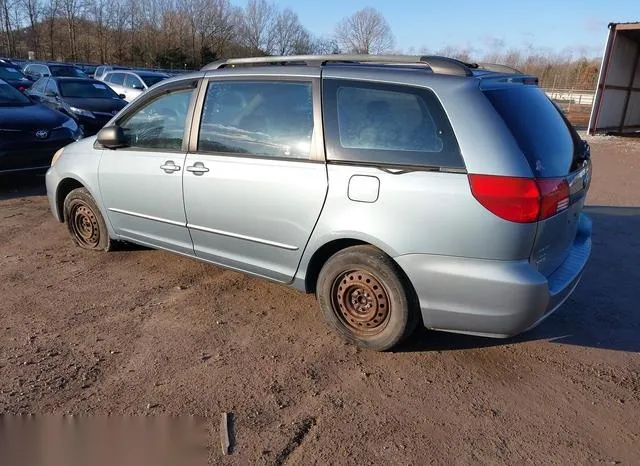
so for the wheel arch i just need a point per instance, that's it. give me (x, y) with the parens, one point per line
(321, 254)
(65, 186)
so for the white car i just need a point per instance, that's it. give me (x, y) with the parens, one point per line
(131, 84)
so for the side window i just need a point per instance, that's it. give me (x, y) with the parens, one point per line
(38, 87)
(261, 118)
(387, 124)
(116, 78)
(160, 123)
(51, 87)
(98, 71)
(43, 70)
(132, 82)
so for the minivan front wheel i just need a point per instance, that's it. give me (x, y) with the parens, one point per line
(365, 298)
(85, 222)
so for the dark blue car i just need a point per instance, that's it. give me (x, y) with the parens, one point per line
(30, 133)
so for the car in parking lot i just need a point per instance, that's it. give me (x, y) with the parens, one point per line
(397, 189)
(100, 71)
(132, 83)
(35, 71)
(92, 103)
(30, 133)
(12, 75)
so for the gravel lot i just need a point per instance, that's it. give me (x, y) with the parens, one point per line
(146, 332)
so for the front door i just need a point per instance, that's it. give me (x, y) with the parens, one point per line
(256, 181)
(141, 185)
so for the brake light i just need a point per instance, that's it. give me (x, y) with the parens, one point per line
(554, 193)
(521, 200)
(510, 198)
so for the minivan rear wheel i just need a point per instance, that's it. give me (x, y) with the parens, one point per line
(364, 296)
(85, 222)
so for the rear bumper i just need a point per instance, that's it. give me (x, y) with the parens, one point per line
(493, 298)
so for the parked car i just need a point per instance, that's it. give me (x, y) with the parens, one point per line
(132, 83)
(397, 189)
(87, 69)
(35, 71)
(30, 133)
(92, 103)
(104, 69)
(12, 75)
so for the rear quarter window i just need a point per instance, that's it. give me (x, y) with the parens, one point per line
(538, 127)
(387, 124)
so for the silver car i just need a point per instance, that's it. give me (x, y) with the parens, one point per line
(397, 189)
(131, 84)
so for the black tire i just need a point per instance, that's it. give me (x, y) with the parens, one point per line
(366, 298)
(85, 222)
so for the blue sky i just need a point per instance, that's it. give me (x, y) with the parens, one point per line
(481, 25)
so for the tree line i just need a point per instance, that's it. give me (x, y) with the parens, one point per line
(187, 34)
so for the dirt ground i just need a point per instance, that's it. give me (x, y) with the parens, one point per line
(146, 332)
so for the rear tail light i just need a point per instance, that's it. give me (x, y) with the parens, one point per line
(521, 200)
(554, 194)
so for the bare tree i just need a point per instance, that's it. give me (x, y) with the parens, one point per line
(6, 8)
(51, 12)
(290, 37)
(72, 10)
(366, 31)
(325, 46)
(33, 9)
(258, 27)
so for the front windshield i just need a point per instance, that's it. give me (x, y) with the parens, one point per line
(10, 97)
(150, 79)
(86, 90)
(7, 72)
(66, 71)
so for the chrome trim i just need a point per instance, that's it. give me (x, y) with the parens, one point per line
(148, 217)
(244, 237)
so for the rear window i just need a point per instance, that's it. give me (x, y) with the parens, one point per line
(86, 90)
(11, 97)
(376, 123)
(538, 127)
(7, 72)
(66, 71)
(150, 80)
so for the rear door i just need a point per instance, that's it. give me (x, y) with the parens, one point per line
(559, 160)
(255, 179)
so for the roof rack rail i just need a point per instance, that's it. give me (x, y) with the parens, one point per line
(439, 65)
(498, 68)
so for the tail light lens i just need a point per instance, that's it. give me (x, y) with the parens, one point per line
(521, 200)
(554, 194)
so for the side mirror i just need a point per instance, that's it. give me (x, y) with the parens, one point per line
(122, 96)
(46, 75)
(112, 137)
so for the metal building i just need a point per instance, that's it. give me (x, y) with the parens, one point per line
(616, 109)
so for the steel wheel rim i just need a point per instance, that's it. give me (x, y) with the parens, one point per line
(361, 302)
(85, 226)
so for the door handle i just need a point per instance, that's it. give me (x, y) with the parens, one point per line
(197, 168)
(170, 167)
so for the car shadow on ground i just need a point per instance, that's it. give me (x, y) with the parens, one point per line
(14, 185)
(603, 312)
